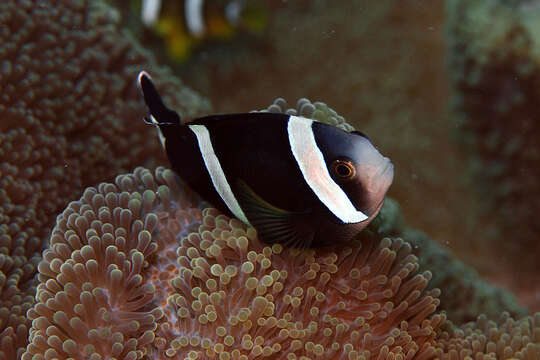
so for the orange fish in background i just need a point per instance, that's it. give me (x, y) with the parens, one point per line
(186, 24)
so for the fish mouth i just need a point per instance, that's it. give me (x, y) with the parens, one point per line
(382, 181)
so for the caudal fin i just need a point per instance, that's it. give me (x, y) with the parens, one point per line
(158, 111)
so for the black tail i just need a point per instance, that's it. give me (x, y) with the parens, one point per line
(157, 108)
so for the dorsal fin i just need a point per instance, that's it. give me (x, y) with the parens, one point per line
(359, 133)
(158, 111)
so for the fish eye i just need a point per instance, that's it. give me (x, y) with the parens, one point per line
(344, 169)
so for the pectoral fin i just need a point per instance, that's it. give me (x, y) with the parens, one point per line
(273, 224)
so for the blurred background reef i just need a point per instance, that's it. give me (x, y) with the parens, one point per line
(448, 90)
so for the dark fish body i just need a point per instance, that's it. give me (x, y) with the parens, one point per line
(235, 153)
(297, 181)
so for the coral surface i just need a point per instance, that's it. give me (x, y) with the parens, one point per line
(70, 117)
(494, 57)
(134, 270)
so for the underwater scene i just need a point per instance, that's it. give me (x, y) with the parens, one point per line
(249, 179)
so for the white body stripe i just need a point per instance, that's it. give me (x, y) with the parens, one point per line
(150, 11)
(311, 162)
(216, 172)
(193, 11)
(233, 11)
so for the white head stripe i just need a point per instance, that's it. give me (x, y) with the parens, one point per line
(193, 10)
(311, 162)
(216, 172)
(150, 11)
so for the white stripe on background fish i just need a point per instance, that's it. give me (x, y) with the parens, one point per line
(194, 14)
(193, 10)
(150, 11)
(298, 182)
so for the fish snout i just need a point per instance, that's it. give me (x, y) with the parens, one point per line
(387, 169)
(377, 180)
(379, 174)
(384, 176)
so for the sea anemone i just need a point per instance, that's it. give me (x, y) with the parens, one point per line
(485, 339)
(94, 296)
(233, 295)
(317, 111)
(133, 270)
(69, 118)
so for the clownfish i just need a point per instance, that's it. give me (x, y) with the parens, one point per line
(184, 24)
(298, 182)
